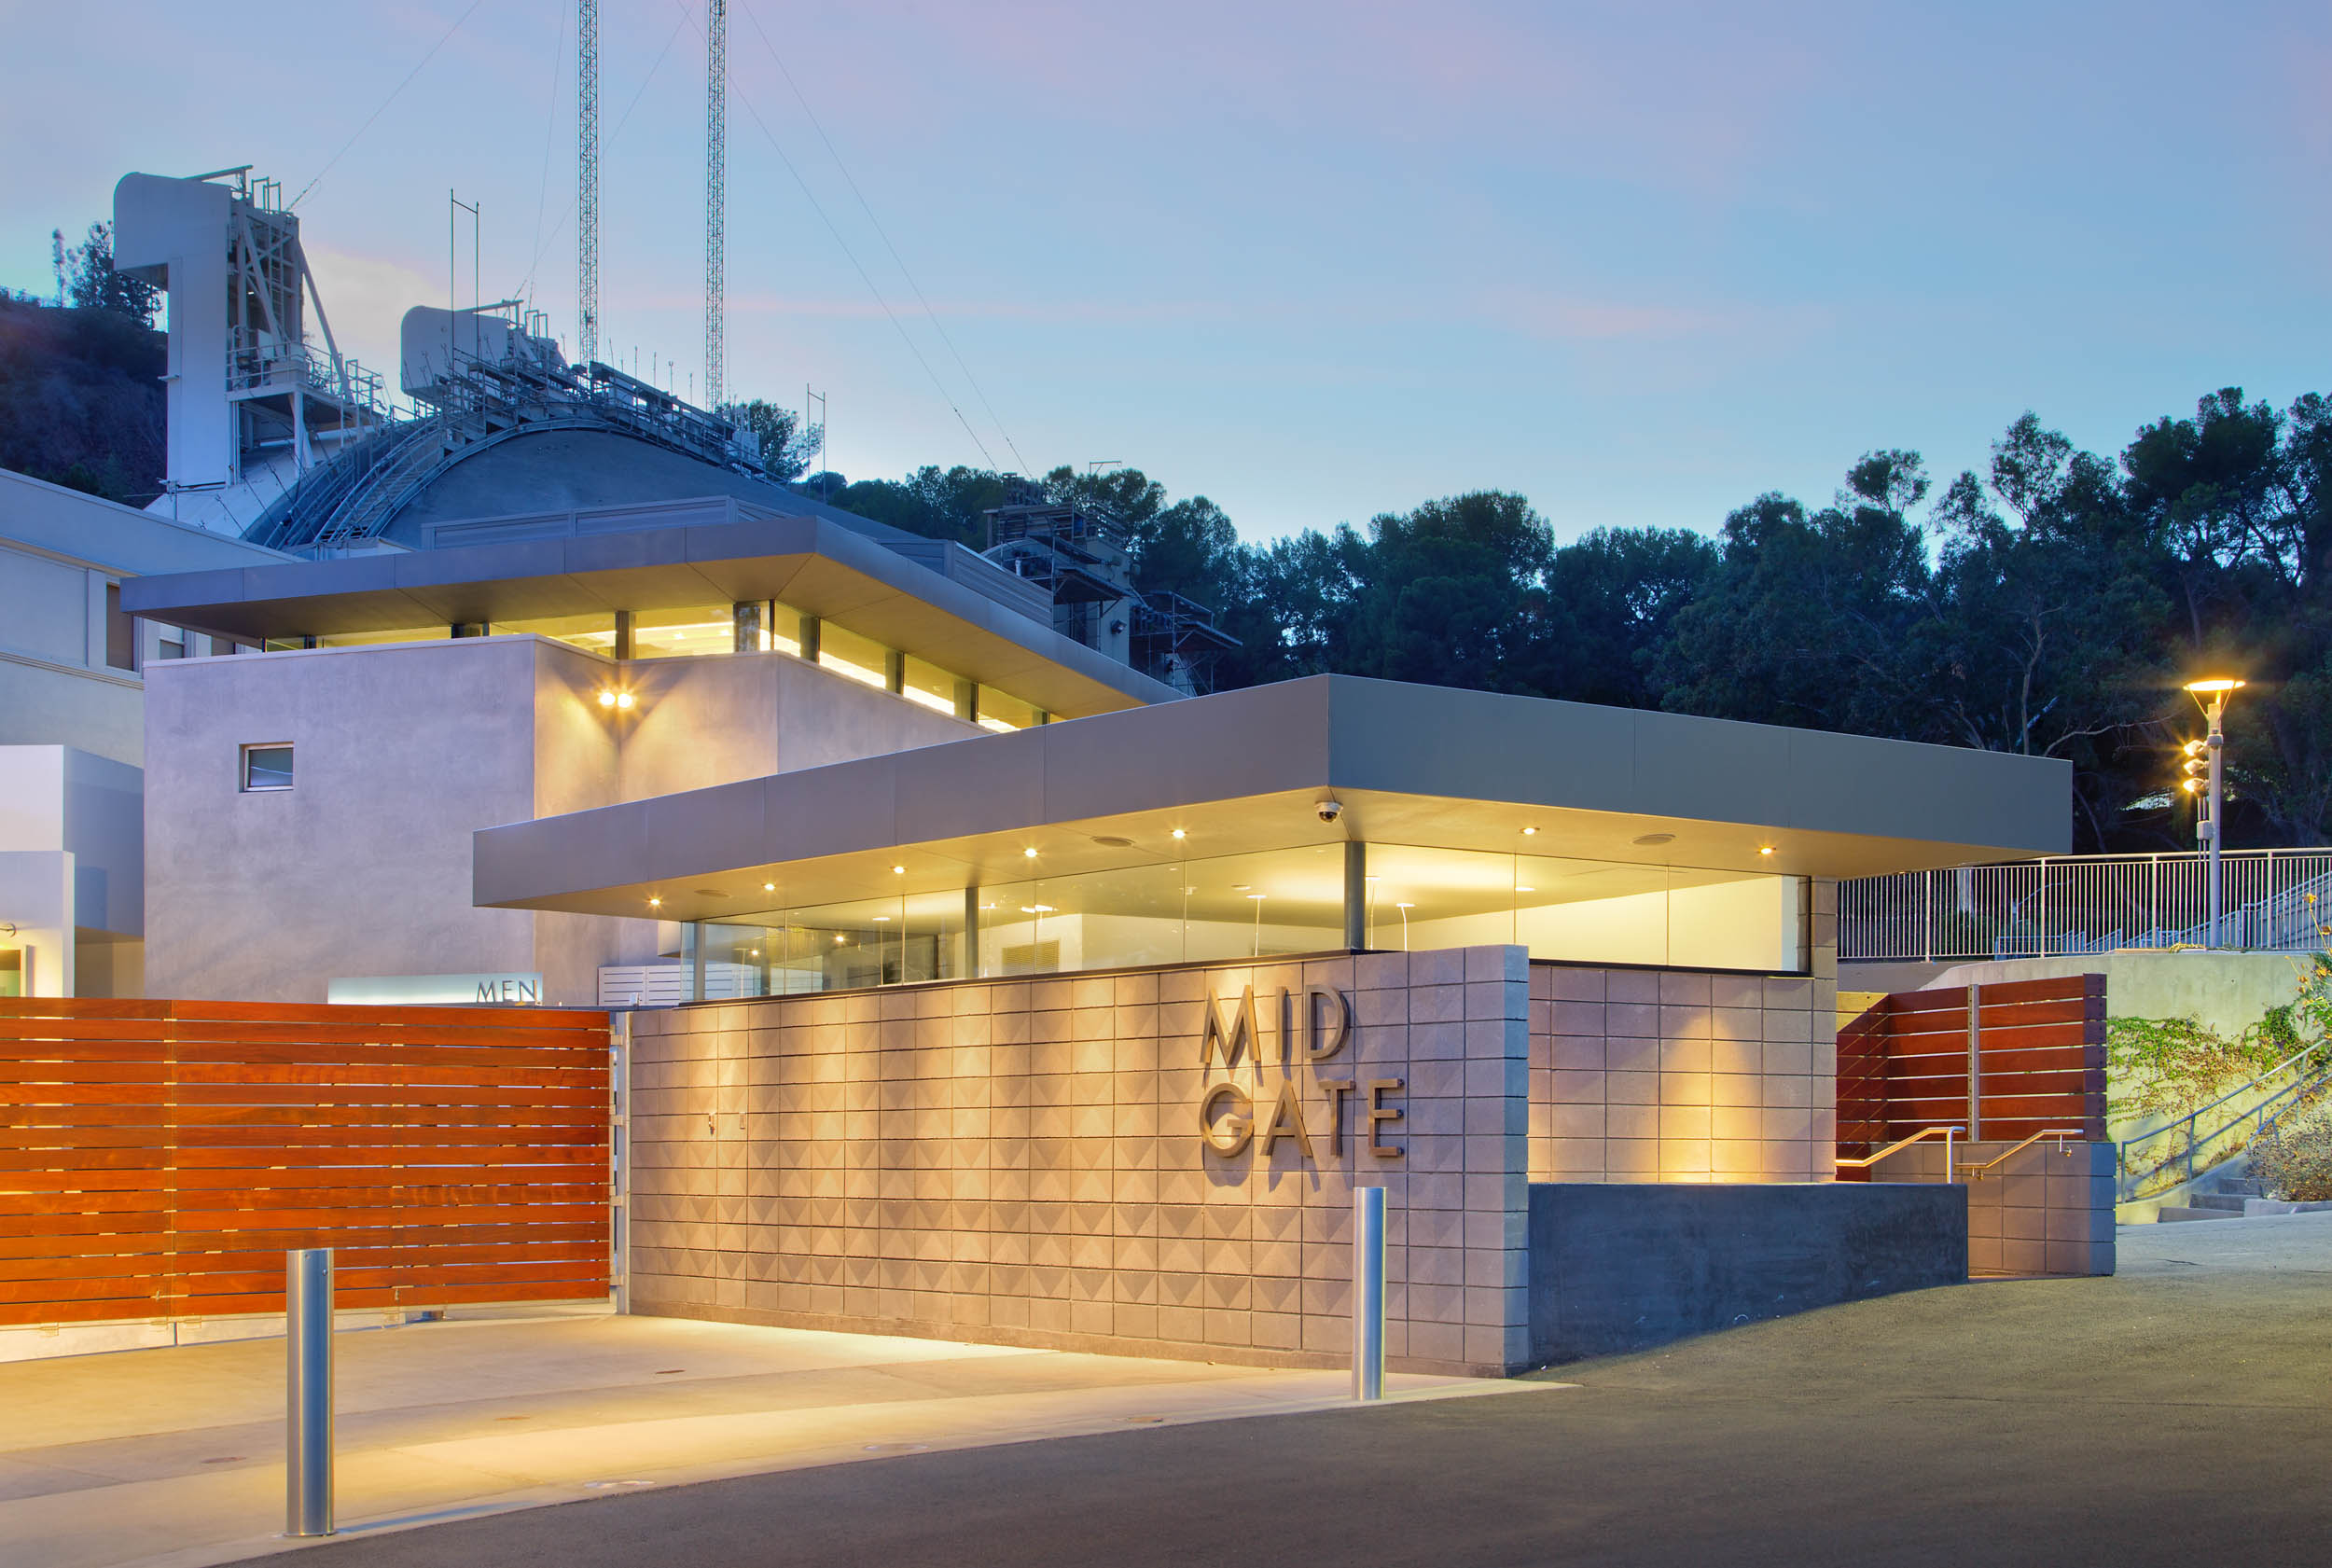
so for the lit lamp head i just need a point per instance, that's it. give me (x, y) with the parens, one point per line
(2196, 768)
(2211, 695)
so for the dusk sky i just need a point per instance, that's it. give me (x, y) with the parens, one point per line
(1637, 261)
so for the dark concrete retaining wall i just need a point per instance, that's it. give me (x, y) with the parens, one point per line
(1623, 1267)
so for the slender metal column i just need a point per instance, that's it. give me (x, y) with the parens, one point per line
(2217, 744)
(969, 968)
(308, 1397)
(1368, 1293)
(1356, 895)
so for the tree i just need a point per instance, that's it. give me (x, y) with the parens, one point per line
(2045, 638)
(1809, 618)
(1453, 593)
(786, 444)
(92, 284)
(936, 503)
(1613, 595)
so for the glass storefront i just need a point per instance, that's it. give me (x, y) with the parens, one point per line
(1273, 904)
(698, 629)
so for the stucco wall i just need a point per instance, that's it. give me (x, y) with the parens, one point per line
(363, 867)
(719, 719)
(401, 752)
(1021, 1162)
(1683, 1075)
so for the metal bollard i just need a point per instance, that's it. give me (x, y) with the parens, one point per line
(308, 1392)
(1368, 1293)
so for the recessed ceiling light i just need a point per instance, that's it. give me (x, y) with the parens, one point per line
(1030, 852)
(711, 892)
(769, 887)
(1113, 841)
(656, 903)
(1530, 832)
(898, 870)
(1650, 840)
(1180, 834)
(1765, 849)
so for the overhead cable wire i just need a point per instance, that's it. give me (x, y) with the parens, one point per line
(385, 103)
(884, 235)
(670, 40)
(551, 130)
(897, 325)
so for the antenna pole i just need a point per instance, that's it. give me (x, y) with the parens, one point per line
(716, 196)
(587, 179)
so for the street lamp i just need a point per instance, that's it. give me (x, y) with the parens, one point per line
(2210, 697)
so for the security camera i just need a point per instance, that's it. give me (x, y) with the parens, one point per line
(1329, 809)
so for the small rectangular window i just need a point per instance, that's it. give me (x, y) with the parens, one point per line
(267, 768)
(122, 633)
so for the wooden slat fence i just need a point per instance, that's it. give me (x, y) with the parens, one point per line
(2036, 1061)
(157, 1157)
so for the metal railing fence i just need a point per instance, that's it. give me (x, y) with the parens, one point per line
(2172, 1155)
(2273, 900)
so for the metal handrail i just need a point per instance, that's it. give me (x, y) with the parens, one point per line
(2289, 1062)
(2283, 1100)
(1863, 1162)
(2061, 1133)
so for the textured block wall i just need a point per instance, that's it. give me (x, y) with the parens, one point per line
(2046, 1208)
(1021, 1162)
(1678, 1075)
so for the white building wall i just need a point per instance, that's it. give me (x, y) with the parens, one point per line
(400, 753)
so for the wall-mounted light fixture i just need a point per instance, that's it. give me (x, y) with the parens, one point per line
(617, 701)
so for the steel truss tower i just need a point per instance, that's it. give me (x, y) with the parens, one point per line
(587, 180)
(715, 195)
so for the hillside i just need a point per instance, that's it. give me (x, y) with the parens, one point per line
(81, 399)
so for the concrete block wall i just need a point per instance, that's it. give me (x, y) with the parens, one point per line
(1020, 1162)
(1683, 1075)
(2047, 1208)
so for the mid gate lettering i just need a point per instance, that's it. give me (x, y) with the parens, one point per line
(1320, 1027)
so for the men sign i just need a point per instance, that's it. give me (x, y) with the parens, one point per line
(1320, 1028)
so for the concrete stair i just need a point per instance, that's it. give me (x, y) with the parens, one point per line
(2219, 1198)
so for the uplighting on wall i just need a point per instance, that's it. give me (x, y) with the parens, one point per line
(615, 701)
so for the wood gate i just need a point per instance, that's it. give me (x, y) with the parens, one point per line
(157, 1157)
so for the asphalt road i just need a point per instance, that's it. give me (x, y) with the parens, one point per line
(2179, 1413)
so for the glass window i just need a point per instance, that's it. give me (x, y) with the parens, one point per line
(1419, 899)
(696, 629)
(121, 632)
(12, 971)
(268, 767)
(367, 639)
(1736, 919)
(858, 658)
(1264, 905)
(596, 632)
(930, 687)
(1591, 911)
(1002, 711)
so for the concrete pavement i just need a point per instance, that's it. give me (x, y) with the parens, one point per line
(2174, 1414)
(173, 1458)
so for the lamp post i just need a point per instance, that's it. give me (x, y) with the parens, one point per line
(2210, 697)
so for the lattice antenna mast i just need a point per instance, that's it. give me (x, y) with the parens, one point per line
(587, 180)
(715, 195)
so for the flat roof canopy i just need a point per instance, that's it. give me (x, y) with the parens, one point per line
(1244, 771)
(814, 565)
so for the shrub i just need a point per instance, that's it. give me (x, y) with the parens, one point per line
(2293, 1159)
